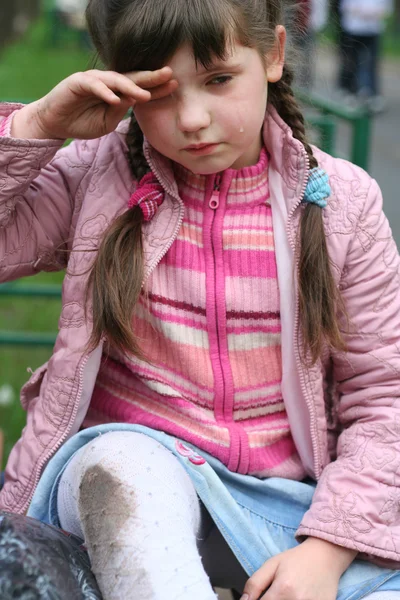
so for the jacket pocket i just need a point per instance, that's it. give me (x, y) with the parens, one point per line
(32, 387)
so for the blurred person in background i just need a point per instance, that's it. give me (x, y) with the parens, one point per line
(71, 14)
(363, 23)
(311, 18)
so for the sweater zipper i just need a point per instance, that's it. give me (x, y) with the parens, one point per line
(214, 204)
(310, 405)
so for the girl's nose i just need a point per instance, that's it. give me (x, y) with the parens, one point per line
(192, 115)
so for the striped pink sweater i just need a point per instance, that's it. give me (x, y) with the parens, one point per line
(209, 325)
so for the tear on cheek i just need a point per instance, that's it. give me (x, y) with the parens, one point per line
(241, 120)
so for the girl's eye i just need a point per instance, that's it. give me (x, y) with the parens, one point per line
(221, 80)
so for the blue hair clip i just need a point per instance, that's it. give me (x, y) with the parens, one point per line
(318, 188)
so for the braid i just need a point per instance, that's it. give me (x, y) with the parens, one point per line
(318, 294)
(282, 97)
(136, 159)
(117, 273)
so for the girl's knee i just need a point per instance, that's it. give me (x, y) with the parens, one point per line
(128, 453)
(125, 444)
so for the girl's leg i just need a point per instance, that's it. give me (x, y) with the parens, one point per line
(348, 56)
(361, 65)
(375, 65)
(139, 514)
(364, 66)
(368, 65)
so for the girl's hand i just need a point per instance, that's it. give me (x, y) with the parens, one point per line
(310, 571)
(90, 104)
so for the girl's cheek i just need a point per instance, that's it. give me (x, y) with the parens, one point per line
(148, 114)
(147, 120)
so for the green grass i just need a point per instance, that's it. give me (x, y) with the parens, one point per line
(32, 67)
(28, 70)
(391, 45)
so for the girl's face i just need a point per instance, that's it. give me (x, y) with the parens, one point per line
(223, 107)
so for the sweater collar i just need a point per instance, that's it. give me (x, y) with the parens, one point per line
(248, 185)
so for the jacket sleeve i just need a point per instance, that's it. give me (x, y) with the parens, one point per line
(357, 500)
(38, 187)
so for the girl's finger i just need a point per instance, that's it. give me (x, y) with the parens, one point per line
(119, 84)
(164, 90)
(100, 90)
(135, 85)
(151, 79)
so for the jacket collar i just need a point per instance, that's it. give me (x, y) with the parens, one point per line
(288, 158)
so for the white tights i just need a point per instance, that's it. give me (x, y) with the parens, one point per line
(137, 510)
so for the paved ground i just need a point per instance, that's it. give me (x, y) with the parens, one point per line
(224, 595)
(385, 150)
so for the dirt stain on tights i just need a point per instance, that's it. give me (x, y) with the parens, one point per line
(105, 507)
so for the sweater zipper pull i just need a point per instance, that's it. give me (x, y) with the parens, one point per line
(214, 200)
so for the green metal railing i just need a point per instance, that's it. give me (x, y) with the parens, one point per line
(326, 122)
(326, 125)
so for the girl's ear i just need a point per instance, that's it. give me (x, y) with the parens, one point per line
(276, 56)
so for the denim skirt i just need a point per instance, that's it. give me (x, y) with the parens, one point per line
(257, 517)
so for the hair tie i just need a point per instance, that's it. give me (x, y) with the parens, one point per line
(149, 195)
(318, 188)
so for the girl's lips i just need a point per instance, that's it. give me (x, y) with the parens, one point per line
(200, 150)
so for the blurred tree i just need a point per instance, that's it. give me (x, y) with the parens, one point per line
(15, 18)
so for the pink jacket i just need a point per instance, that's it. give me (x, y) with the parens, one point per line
(344, 412)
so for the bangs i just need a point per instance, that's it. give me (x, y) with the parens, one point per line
(151, 31)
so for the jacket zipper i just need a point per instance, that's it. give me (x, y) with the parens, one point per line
(60, 442)
(166, 248)
(172, 193)
(313, 428)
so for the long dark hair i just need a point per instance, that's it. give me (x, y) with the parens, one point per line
(132, 35)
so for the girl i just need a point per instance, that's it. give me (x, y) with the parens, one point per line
(229, 324)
